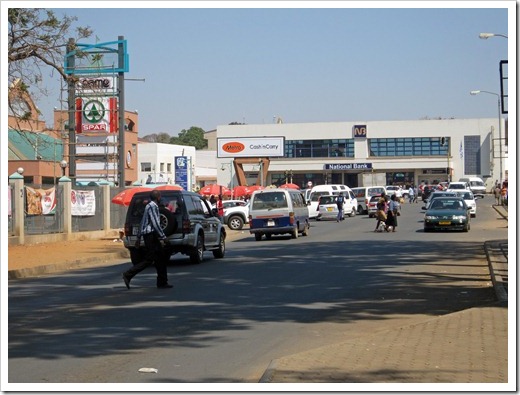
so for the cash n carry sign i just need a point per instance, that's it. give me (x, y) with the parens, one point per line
(96, 114)
(243, 147)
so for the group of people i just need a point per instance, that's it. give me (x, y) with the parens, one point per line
(500, 193)
(388, 209)
(217, 203)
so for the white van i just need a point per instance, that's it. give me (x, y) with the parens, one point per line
(476, 185)
(363, 195)
(278, 211)
(332, 189)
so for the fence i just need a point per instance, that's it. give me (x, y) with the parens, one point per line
(26, 227)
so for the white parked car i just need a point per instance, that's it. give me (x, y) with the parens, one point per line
(394, 189)
(236, 213)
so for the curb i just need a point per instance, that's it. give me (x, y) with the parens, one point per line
(497, 261)
(93, 261)
(67, 265)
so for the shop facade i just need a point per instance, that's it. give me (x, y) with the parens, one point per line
(357, 153)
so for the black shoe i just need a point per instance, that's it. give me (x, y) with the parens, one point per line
(126, 280)
(165, 286)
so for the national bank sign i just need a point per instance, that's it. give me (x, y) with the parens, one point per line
(348, 166)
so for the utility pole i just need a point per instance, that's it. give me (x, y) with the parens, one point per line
(121, 94)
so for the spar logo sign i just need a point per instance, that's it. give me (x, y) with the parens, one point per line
(96, 115)
(93, 111)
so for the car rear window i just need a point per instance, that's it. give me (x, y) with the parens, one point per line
(327, 199)
(269, 200)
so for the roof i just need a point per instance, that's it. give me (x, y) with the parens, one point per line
(23, 145)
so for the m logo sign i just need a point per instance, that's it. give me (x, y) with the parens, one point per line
(360, 131)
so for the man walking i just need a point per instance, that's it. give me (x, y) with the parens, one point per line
(340, 200)
(411, 193)
(154, 240)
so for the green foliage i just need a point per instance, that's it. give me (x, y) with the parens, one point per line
(37, 41)
(194, 137)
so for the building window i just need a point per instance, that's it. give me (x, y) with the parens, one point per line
(169, 167)
(146, 166)
(472, 155)
(419, 146)
(319, 148)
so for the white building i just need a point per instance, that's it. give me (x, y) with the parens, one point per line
(407, 152)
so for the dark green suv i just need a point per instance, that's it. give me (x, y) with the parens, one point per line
(188, 221)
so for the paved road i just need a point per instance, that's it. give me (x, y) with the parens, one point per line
(225, 320)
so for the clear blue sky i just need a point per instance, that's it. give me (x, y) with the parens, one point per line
(209, 67)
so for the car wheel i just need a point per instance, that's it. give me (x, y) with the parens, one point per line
(258, 236)
(235, 222)
(197, 254)
(360, 210)
(466, 228)
(136, 255)
(352, 212)
(306, 230)
(167, 221)
(268, 236)
(221, 251)
(294, 234)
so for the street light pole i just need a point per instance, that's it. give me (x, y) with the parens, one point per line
(499, 128)
(485, 36)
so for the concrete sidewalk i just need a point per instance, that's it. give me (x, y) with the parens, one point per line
(469, 346)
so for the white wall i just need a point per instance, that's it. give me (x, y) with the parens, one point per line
(456, 129)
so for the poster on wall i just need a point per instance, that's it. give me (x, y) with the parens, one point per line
(83, 203)
(40, 201)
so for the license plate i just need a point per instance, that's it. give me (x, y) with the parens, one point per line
(329, 208)
(270, 223)
(444, 222)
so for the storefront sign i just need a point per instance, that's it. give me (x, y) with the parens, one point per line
(359, 131)
(94, 115)
(99, 86)
(181, 171)
(435, 171)
(348, 166)
(243, 147)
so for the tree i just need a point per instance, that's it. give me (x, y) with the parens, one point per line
(158, 138)
(37, 43)
(194, 137)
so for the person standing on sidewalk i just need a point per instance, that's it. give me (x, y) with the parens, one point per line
(340, 200)
(154, 241)
(498, 194)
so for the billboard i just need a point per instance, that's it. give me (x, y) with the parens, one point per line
(244, 147)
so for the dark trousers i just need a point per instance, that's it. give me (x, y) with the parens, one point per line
(154, 255)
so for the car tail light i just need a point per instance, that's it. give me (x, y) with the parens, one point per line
(185, 225)
(291, 218)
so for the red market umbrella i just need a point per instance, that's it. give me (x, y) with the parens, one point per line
(215, 189)
(123, 198)
(240, 190)
(252, 188)
(169, 188)
(290, 186)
